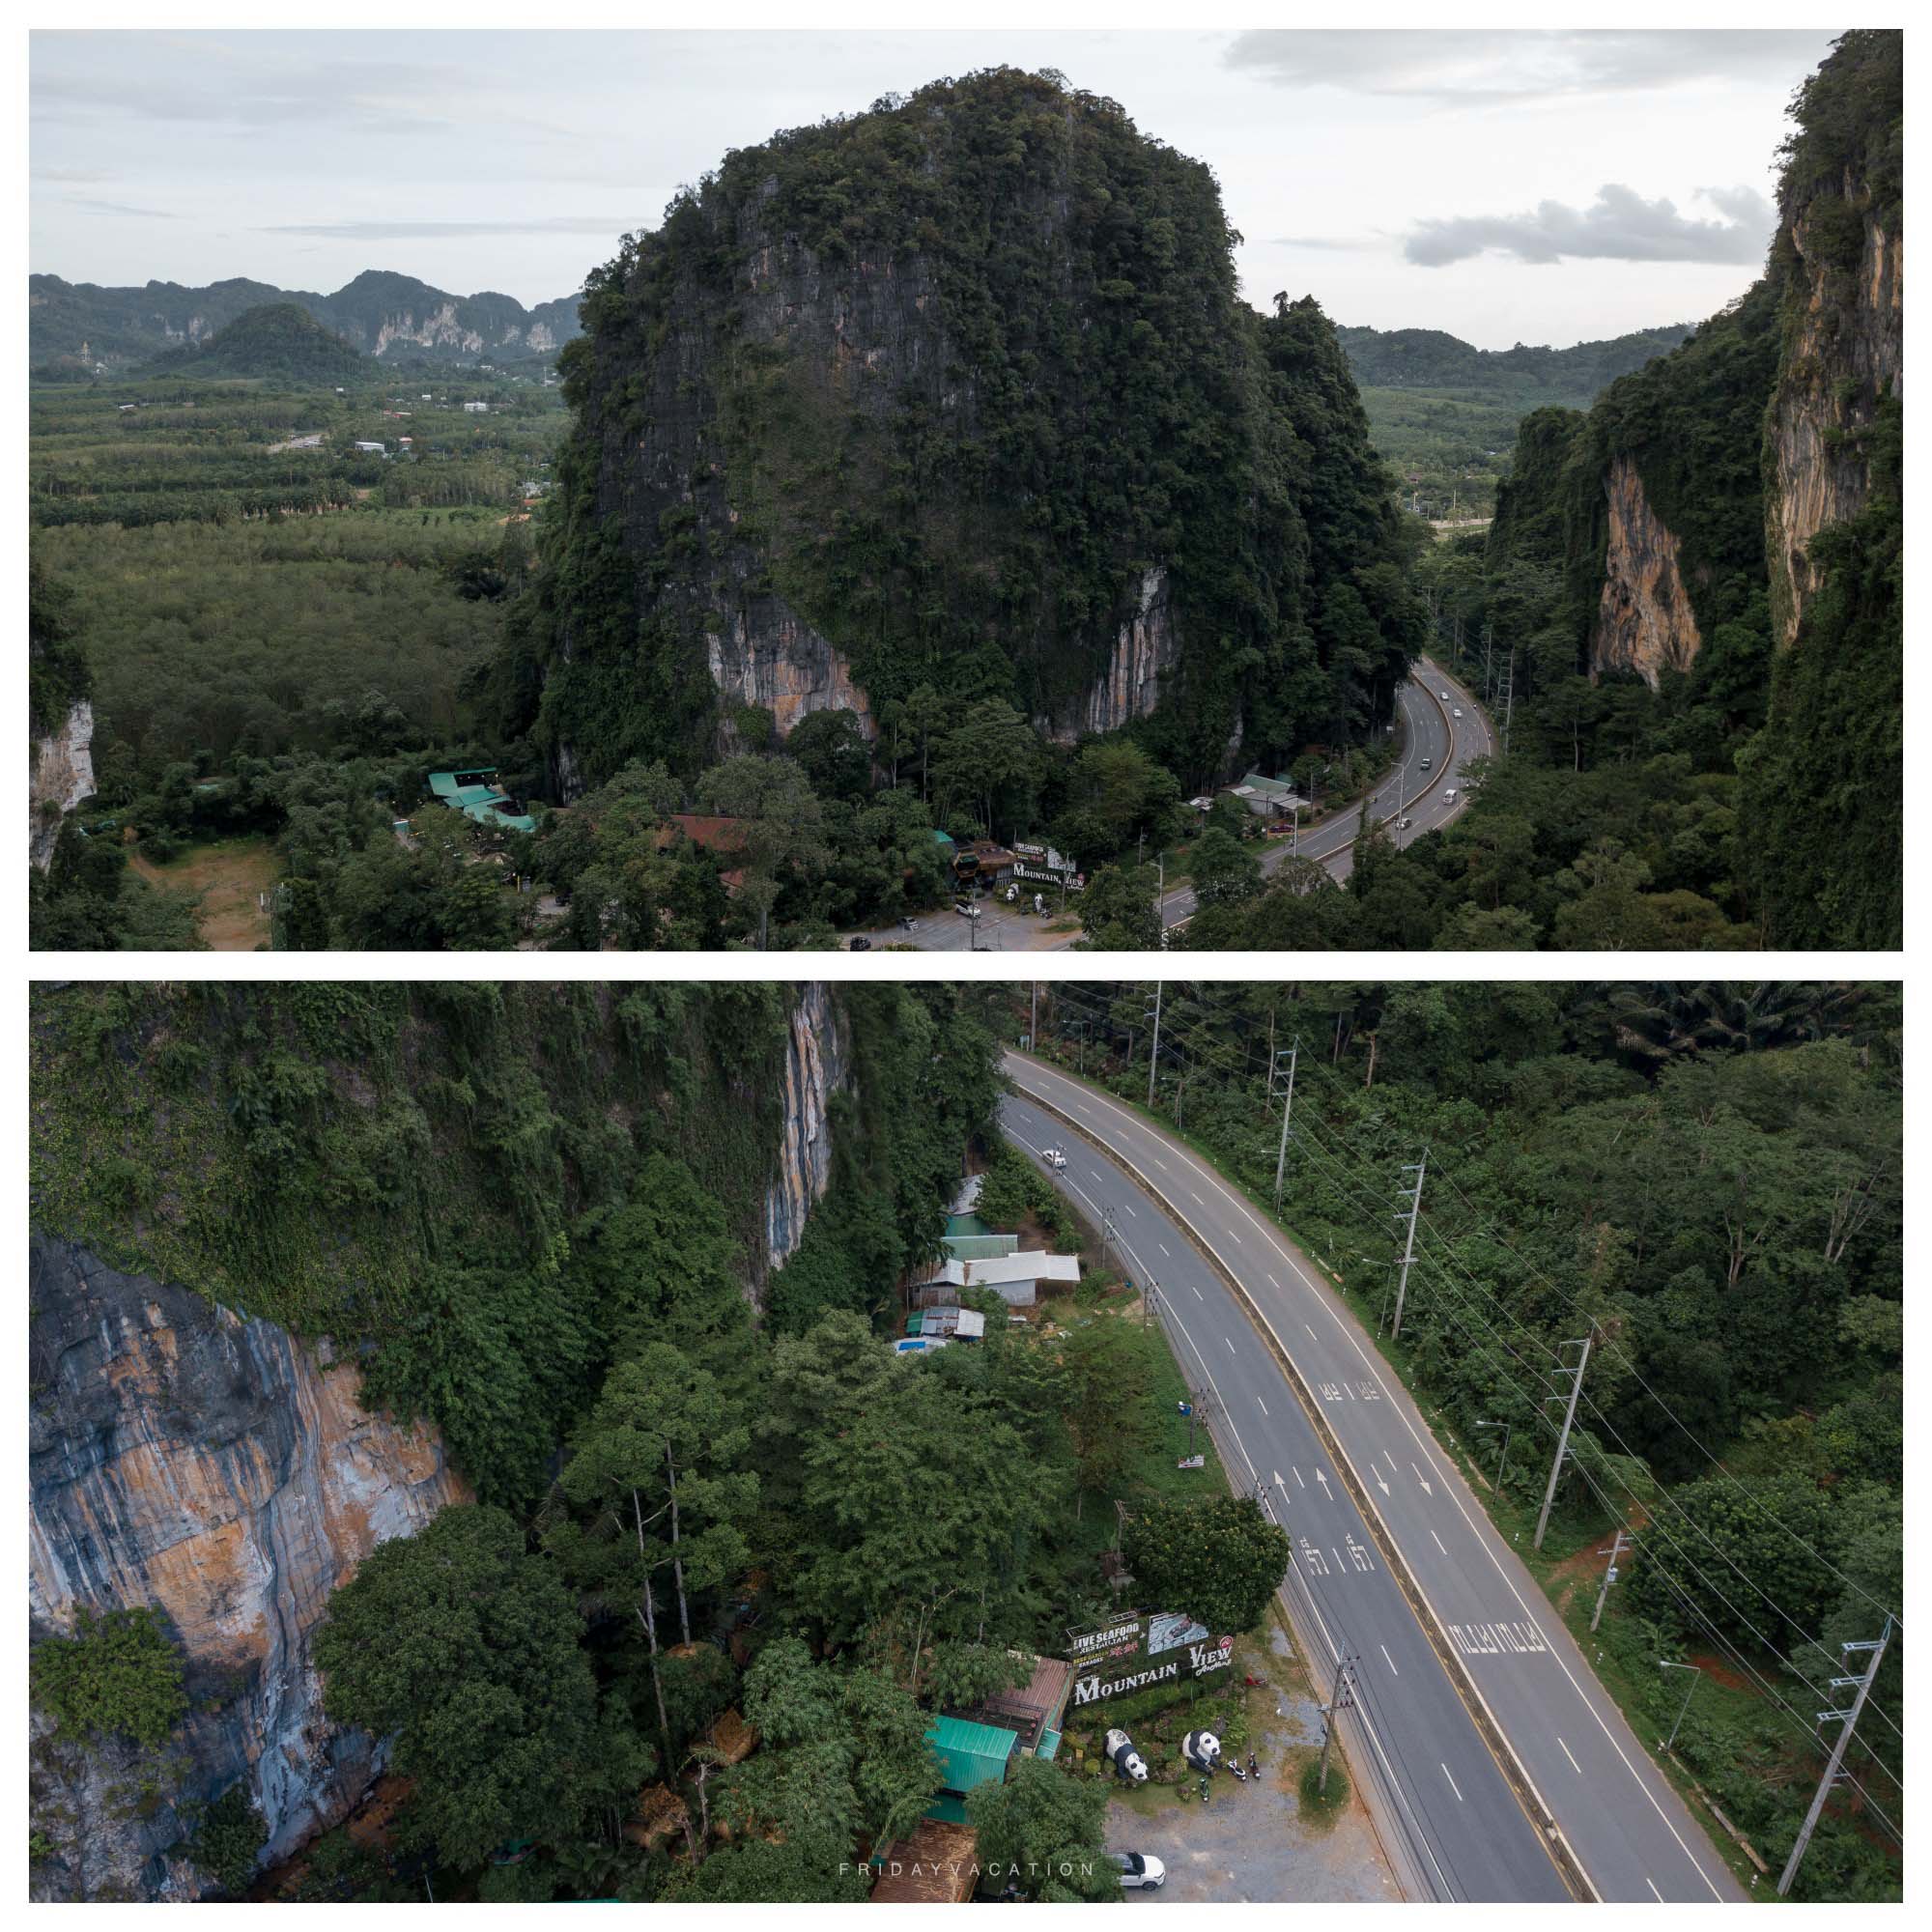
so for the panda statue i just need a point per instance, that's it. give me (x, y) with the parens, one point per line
(1202, 1750)
(1127, 1761)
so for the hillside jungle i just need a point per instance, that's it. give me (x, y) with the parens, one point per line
(279, 643)
(533, 1217)
(680, 1464)
(1708, 1177)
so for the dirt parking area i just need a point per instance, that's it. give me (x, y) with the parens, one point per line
(1251, 1843)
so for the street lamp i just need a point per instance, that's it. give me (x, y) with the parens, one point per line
(1507, 1429)
(1695, 1671)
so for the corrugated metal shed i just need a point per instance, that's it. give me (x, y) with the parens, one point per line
(970, 1754)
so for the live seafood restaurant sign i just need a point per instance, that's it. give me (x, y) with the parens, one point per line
(1133, 1652)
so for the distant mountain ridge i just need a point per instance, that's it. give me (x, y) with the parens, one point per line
(380, 313)
(278, 339)
(1427, 358)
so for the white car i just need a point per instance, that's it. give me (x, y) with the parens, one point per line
(964, 910)
(1053, 1157)
(1443, 695)
(1140, 1871)
(1457, 712)
(1449, 796)
(1403, 824)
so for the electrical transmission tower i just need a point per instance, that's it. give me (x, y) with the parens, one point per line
(1153, 1058)
(1850, 1721)
(1563, 1440)
(1417, 1168)
(1287, 1107)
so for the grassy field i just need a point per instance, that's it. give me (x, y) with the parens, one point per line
(227, 879)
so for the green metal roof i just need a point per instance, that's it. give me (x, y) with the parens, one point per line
(969, 1753)
(486, 813)
(979, 1247)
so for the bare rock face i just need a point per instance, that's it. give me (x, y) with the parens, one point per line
(186, 1459)
(438, 329)
(1146, 650)
(1847, 352)
(63, 776)
(816, 1068)
(1644, 621)
(770, 657)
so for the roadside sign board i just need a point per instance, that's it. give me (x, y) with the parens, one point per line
(1132, 1652)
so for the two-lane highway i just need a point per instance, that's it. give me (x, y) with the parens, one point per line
(1627, 1828)
(1444, 1810)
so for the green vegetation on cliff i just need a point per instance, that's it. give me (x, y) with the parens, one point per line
(537, 1216)
(1692, 465)
(965, 382)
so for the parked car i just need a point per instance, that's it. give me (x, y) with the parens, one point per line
(1140, 1871)
(964, 910)
(1053, 1157)
(861, 944)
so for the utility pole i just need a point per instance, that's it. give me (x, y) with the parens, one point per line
(1106, 1237)
(1033, 1025)
(1153, 1058)
(1615, 1551)
(1850, 1721)
(1149, 1304)
(1337, 1703)
(1408, 1254)
(1509, 701)
(1287, 1107)
(1486, 660)
(1563, 1440)
(1682, 1710)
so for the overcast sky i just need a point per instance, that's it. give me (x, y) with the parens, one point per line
(1503, 185)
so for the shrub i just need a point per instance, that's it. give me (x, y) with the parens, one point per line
(118, 1676)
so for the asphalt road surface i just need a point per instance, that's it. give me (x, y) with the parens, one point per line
(1448, 1816)
(1430, 732)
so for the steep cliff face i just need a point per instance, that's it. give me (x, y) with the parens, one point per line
(1146, 650)
(184, 1459)
(956, 393)
(63, 776)
(816, 1066)
(772, 660)
(1844, 356)
(1644, 620)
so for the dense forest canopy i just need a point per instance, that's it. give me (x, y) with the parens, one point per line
(535, 1215)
